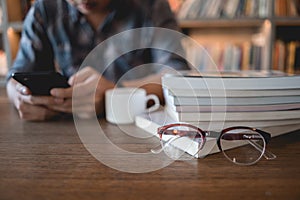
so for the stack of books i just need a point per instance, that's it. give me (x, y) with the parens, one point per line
(218, 101)
(266, 100)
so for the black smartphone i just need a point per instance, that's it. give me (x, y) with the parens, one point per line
(40, 83)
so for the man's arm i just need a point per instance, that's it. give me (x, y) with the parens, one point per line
(34, 54)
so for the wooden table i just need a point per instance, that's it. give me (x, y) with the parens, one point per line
(48, 161)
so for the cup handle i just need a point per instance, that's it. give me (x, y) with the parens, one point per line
(156, 102)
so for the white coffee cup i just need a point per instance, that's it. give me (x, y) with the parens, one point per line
(123, 104)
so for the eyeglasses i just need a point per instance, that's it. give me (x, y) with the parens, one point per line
(241, 145)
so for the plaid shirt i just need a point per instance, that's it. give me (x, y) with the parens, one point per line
(56, 36)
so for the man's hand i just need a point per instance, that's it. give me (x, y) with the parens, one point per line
(31, 108)
(87, 93)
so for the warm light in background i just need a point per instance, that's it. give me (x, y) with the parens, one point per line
(14, 38)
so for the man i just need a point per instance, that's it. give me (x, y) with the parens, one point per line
(59, 34)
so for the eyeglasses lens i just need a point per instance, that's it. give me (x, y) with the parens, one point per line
(177, 140)
(243, 146)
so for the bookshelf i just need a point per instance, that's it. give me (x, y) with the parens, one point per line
(12, 15)
(246, 26)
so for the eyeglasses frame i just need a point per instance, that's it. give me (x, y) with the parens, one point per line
(203, 134)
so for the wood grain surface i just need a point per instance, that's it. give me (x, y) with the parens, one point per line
(47, 160)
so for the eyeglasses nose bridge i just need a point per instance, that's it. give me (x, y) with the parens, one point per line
(207, 133)
(211, 133)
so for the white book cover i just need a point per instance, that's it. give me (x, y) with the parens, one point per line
(234, 101)
(234, 116)
(152, 121)
(231, 93)
(235, 82)
(245, 108)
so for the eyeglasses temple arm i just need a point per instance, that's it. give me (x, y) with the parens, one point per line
(267, 154)
(163, 146)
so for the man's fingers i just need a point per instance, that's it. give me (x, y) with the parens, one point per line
(22, 89)
(86, 88)
(82, 75)
(35, 113)
(41, 100)
(81, 89)
(77, 104)
(62, 92)
(61, 108)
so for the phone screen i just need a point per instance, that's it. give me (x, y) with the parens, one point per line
(40, 83)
